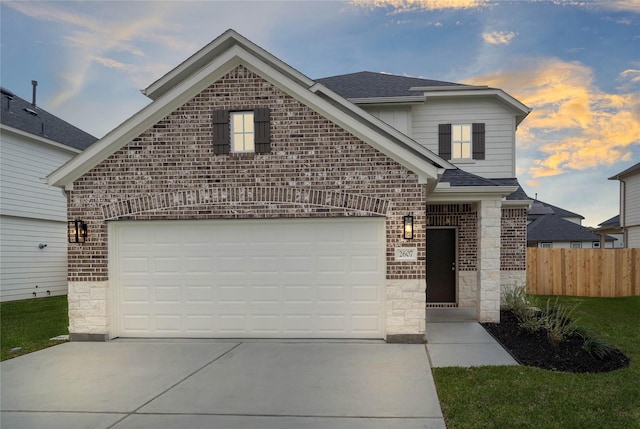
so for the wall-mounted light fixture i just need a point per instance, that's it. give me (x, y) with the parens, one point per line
(77, 231)
(408, 227)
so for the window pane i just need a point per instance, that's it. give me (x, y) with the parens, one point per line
(248, 123)
(248, 143)
(456, 133)
(237, 122)
(456, 151)
(466, 133)
(238, 143)
(466, 150)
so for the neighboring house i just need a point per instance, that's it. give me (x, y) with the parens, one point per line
(540, 208)
(33, 215)
(629, 220)
(550, 226)
(248, 200)
(611, 227)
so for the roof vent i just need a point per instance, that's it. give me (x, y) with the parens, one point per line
(34, 83)
(31, 111)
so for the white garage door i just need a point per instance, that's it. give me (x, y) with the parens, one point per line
(293, 278)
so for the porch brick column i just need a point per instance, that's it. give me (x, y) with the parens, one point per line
(489, 221)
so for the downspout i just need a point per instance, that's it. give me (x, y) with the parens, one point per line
(623, 209)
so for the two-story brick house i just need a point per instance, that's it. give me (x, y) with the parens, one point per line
(248, 200)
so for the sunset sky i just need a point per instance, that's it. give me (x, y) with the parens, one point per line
(575, 63)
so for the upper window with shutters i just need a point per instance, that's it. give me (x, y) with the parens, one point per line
(246, 131)
(461, 141)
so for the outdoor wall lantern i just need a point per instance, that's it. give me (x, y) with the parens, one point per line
(77, 231)
(408, 227)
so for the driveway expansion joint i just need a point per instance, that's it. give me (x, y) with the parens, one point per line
(135, 412)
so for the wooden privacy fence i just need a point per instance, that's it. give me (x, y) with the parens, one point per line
(583, 272)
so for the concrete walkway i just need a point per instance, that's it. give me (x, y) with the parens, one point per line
(127, 384)
(455, 338)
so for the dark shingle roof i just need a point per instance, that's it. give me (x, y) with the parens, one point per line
(554, 228)
(542, 208)
(614, 222)
(459, 177)
(372, 85)
(20, 114)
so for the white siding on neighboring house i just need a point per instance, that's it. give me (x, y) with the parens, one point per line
(398, 117)
(631, 218)
(23, 164)
(583, 244)
(27, 269)
(499, 128)
(575, 220)
(31, 212)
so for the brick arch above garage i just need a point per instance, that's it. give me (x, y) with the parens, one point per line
(211, 198)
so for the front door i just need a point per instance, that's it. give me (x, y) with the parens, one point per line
(441, 265)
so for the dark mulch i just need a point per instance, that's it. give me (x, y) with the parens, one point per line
(534, 349)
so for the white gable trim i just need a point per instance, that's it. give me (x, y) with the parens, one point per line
(186, 89)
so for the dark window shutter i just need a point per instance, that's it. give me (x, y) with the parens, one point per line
(262, 137)
(478, 141)
(444, 141)
(221, 142)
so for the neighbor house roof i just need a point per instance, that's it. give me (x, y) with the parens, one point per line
(614, 222)
(629, 171)
(540, 208)
(21, 115)
(221, 56)
(551, 227)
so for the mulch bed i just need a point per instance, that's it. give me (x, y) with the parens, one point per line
(534, 349)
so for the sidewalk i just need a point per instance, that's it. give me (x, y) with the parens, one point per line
(455, 338)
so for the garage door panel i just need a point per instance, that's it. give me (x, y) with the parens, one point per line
(271, 278)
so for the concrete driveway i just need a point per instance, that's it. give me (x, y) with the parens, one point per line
(126, 384)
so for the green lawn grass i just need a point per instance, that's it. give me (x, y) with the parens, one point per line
(524, 397)
(31, 323)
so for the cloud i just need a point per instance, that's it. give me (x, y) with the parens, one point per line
(401, 6)
(498, 37)
(618, 5)
(104, 38)
(109, 63)
(574, 125)
(631, 75)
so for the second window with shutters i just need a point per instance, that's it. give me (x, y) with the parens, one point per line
(461, 142)
(244, 131)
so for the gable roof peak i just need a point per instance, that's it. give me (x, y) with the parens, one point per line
(209, 53)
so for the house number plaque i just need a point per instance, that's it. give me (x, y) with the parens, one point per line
(406, 253)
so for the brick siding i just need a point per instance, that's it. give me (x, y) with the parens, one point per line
(170, 172)
(513, 240)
